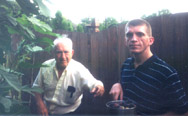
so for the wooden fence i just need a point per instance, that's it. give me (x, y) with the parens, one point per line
(104, 52)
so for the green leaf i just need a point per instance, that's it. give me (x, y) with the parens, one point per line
(31, 90)
(7, 103)
(11, 79)
(34, 49)
(48, 49)
(2, 68)
(4, 88)
(28, 32)
(23, 20)
(44, 40)
(12, 30)
(12, 20)
(53, 34)
(29, 65)
(39, 24)
(43, 9)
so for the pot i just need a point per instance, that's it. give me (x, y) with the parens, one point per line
(121, 107)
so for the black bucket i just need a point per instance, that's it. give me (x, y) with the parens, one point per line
(121, 107)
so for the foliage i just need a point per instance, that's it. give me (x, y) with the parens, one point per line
(57, 21)
(161, 12)
(84, 22)
(60, 22)
(18, 17)
(45, 19)
(67, 24)
(80, 28)
(87, 21)
(110, 21)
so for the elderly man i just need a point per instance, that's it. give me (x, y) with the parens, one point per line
(64, 81)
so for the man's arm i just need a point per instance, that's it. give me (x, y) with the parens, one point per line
(116, 91)
(41, 106)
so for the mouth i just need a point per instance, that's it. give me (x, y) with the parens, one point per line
(62, 61)
(133, 46)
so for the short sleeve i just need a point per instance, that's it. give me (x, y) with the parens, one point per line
(38, 80)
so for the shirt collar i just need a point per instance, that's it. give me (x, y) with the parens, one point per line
(66, 69)
(147, 62)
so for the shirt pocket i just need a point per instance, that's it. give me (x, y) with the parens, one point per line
(72, 94)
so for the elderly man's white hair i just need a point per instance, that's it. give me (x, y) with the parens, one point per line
(64, 40)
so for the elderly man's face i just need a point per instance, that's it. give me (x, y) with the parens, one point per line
(63, 55)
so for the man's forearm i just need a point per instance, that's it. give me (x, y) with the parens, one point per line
(38, 98)
(41, 106)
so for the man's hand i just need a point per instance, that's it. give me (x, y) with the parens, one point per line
(116, 91)
(98, 90)
(42, 110)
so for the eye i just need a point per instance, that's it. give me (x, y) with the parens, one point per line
(140, 34)
(66, 52)
(58, 52)
(129, 35)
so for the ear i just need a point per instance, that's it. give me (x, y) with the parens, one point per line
(125, 41)
(72, 52)
(151, 40)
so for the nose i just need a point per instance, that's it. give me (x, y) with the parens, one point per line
(134, 38)
(62, 55)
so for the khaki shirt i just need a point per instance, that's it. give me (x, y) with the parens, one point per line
(64, 95)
